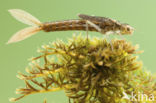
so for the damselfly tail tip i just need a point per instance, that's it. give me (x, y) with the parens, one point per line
(11, 10)
(24, 17)
(23, 34)
(12, 40)
(9, 42)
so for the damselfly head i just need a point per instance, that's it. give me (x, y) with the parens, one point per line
(126, 29)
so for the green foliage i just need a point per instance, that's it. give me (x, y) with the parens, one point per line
(89, 71)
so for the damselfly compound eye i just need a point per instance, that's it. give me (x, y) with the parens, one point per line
(128, 29)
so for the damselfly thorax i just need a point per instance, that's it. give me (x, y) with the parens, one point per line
(89, 23)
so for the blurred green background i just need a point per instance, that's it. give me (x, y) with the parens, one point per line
(141, 14)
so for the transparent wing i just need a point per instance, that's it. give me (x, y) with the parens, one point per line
(23, 34)
(92, 18)
(99, 19)
(24, 17)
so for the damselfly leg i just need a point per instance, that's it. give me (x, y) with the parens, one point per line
(93, 25)
(99, 30)
(87, 29)
(121, 36)
(108, 38)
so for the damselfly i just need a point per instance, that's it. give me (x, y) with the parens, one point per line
(86, 22)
